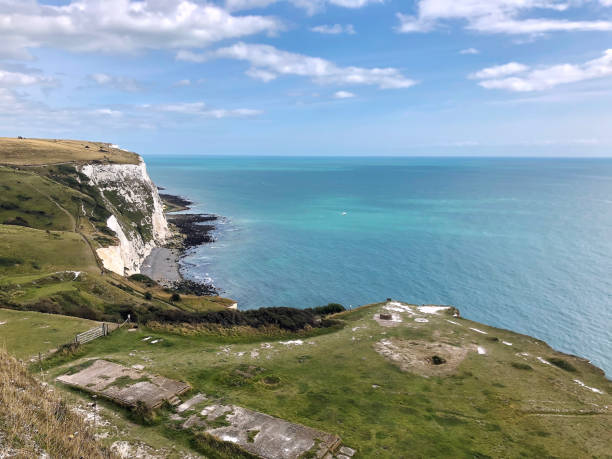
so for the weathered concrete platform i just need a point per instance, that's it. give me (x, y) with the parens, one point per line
(126, 386)
(264, 435)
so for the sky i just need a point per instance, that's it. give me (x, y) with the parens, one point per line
(312, 77)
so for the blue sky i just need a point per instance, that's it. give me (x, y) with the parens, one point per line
(312, 77)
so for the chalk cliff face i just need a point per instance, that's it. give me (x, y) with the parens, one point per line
(137, 214)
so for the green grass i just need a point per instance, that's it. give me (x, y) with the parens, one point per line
(26, 195)
(25, 334)
(40, 252)
(343, 386)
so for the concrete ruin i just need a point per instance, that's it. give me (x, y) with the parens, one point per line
(126, 386)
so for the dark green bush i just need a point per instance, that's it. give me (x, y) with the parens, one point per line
(521, 366)
(563, 364)
(10, 261)
(142, 279)
(331, 308)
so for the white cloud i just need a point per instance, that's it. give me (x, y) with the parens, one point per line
(311, 6)
(107, 112)
(343, 95)
(268, 63)
(200, 109)
(549, 77)
(498, 71)
(12, 79)
(335, 29)
(119, 26)
(117, 82)
(190, 56)
(185, 82)
(469, 51)
(498, 16)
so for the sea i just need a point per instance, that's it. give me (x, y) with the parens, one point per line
(522, 244)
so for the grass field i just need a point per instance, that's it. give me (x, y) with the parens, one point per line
(50, 151)
(25, 334)
(31, 251)
(504, 402)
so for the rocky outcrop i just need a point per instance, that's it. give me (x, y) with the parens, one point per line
(137, 214)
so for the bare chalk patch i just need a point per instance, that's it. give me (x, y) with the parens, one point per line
(481, 350)
(422, 357)
(421, 320)
(479, 331)
(546, 362)
(592, 389)
(295, 342)
(507, 343)
(431, 309)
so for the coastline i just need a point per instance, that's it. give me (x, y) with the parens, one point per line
(189, 230)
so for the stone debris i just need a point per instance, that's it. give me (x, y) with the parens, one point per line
(193, 401)
(350, 452)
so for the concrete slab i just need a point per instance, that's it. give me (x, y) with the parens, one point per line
(267, 436)
(123, 385)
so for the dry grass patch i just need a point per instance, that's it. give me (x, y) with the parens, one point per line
(422, 357)
(52, 151)
(34, 420)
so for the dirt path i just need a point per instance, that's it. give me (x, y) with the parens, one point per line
(75, 225)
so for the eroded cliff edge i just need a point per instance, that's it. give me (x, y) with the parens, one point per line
(137, 216)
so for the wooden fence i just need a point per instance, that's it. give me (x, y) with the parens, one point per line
(97, 332)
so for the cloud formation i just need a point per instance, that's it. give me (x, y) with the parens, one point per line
(116, 82)
(469, 51)
(499, 16)
(121, 26)
(10, 79)
(268, 63)
(546, 77)
(311, 6)
(335, 29)
(344, 95)
(200, 109)
(499, 71)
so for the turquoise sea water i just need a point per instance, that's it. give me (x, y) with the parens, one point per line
(524, 244)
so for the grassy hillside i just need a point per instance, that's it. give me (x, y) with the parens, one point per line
(51, 151)
(25, 334)
(51, 223)
(510, 396)
(35, 422)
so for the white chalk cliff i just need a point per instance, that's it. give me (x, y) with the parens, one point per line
(137, 214)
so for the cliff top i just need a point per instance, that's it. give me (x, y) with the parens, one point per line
(19, 152)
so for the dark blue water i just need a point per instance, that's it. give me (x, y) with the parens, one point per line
(524, 244)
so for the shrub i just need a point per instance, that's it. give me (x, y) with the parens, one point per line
(142, 279)
(563, 364)
(521, 366)
(144, 415)
(331, 308)
(148, 296)
(17, 221)
(10, 261)
(175, 297)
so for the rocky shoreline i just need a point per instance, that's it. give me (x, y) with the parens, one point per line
(190, 231)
